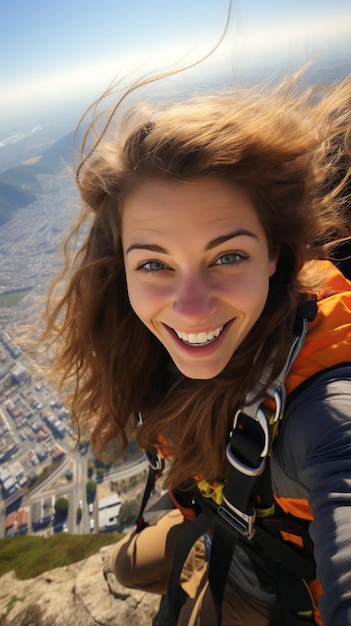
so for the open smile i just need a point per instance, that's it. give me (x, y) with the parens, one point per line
(199, 339)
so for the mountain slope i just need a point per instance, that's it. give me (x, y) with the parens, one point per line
(20, 186)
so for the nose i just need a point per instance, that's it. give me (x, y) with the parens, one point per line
(194, 300)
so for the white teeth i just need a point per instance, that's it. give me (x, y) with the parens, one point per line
(199, 338)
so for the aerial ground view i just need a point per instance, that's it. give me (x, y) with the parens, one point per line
(62, 507)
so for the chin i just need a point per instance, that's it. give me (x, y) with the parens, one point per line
(200, 372)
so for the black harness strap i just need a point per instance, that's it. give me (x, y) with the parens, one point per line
(236, 514)
(291, 593)
(195, 529)
(156, 467)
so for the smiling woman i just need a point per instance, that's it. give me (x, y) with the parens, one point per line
(201, 297)
(197, 268)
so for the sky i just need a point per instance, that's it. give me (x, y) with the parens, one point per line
(57, 56)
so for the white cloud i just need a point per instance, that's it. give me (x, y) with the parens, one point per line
(19, 136)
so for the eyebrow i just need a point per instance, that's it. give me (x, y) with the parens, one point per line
(223, 238)
(214, 243)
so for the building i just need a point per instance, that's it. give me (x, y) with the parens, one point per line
(19, 474)
(19, 373)
(109, 509)
(16, 523)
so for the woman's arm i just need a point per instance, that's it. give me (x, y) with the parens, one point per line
(315, 450)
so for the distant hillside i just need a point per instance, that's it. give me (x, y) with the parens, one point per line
(19, 186)
(29, 555)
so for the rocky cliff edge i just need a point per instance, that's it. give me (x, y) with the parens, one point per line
(82, 594)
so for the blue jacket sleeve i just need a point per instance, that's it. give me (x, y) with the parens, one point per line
(313, 455)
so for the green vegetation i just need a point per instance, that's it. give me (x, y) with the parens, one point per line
(61, 506)
(128, 512)
(30, 556)
(91, 488)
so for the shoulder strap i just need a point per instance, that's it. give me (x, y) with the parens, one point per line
(156, 467)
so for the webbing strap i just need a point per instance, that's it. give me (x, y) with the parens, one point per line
(284, 553)
(291, 593)
(156, 466)
(194, 530)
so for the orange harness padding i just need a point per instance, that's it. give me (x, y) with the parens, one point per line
(328, 342)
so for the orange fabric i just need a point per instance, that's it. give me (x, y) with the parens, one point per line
(162, 448)
(297, 541)
(328, 341)
(316, 592)
(297, 507)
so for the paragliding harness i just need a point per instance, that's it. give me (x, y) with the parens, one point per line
(239, 517)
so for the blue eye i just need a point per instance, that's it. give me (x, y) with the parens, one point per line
(229, 259)
(151, 266)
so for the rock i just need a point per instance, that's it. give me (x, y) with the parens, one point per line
(82, 594)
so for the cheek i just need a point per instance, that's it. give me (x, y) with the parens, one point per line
(145, 300)
(137, 300)
(250, 292)
(133, 292)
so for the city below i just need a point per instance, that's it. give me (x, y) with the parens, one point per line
(48, 484)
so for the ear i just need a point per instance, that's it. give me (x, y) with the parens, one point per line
(273, 262)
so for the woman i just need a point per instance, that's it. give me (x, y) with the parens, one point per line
(204, 244)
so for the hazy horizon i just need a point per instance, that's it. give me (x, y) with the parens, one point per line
(62, 54)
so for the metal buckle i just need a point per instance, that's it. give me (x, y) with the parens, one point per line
(243, 523)
(155, 461)
(261, 418)
(246, 469)
(278, 406)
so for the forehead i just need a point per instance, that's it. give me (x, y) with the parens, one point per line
(202, 201)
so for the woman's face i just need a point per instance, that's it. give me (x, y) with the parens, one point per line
(197, 268)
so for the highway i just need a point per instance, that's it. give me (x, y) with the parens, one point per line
(44, 496)
(75, 490)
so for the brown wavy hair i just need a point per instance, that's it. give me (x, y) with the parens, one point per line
(284, 146)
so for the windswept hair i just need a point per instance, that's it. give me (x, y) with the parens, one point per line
(285, 146)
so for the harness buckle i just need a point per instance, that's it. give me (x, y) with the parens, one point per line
(277, 396)
(261, 419)
(155, 461)
(243, 523)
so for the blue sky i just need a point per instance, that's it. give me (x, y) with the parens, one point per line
(62, 54)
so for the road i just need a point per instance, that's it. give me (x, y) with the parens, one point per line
(44, 496)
